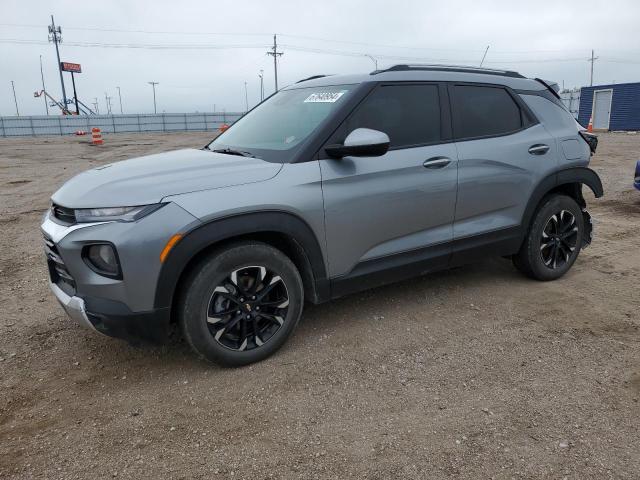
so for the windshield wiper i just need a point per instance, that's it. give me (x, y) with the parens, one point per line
(231, 151)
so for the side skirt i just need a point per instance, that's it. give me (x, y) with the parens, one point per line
(401, 266)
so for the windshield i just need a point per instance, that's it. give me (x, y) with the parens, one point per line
(274, 129)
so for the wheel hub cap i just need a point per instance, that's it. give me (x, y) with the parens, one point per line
(559, 239)
(247, 308)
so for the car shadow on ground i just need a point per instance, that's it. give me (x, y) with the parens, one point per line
(358, 309)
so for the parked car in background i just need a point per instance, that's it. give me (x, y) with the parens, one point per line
(333, 185)
(636, 179)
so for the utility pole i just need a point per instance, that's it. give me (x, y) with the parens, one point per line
(107, 100)
(13, 87)
(246, 98)
(372, 58)
(44, 97)
(592, 60)
(75, 94)
(153, 84)
(55, 36)
(96, 105)
(485, 55)
(120, 98)
(275, 54)
(261, 75)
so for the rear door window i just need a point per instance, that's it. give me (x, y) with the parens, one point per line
(482, 111)
(408, 114)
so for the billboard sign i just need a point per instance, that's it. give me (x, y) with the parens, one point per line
(70, 67)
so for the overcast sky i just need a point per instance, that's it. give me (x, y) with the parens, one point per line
(222, 44)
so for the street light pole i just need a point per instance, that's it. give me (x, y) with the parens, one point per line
(246, 98)
(370, 57)
(44, 97)
(153, 84)
(261, 75)
(13, 87)
(120, 98)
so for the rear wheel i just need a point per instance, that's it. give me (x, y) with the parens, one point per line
(554, 239)
(241, 304)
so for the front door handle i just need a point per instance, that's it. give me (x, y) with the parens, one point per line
(436, 162)
(538, 149)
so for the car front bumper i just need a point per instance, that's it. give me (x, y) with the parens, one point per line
(114, 319)
(118, 307)
(74, 306)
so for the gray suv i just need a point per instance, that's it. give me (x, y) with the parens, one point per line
(332, 185)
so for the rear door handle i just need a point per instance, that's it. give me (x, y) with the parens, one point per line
(436, 162)
(538, 149)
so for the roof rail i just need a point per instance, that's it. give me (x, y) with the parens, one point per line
(312, 77)
(449, 68)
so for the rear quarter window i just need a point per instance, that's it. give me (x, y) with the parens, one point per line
(482, 111)
(552, 115)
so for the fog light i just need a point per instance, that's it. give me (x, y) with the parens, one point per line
(102, 259)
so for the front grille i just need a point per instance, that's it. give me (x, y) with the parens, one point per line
(63, 214)
(57, 269)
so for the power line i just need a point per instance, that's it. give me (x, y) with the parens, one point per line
(301, 37)
(193, 46)
(304, 49)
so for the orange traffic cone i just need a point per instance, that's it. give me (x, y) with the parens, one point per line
(96, 136)
(223, 127)
(590, 126)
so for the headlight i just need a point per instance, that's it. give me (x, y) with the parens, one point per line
(102, 259)
(117, 214)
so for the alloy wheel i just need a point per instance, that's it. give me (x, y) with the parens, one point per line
(559, 239)
(247, 308)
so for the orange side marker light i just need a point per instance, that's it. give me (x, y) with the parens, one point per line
(170, 244)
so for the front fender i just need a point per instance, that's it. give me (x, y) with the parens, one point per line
(226, 228)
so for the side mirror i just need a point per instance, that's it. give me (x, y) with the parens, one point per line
(362, 142)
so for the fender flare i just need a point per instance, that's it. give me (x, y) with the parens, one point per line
(567, 176)
(221, 229)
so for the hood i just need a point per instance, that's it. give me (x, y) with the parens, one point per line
(148, 179)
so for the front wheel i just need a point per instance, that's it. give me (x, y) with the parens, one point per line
(554, 239)
(240, 304)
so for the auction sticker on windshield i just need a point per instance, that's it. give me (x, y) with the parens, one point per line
(324, 97)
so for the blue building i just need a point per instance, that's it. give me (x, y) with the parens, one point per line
(614, 107)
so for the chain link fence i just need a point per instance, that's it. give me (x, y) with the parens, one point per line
(571, 99)
(69, 124)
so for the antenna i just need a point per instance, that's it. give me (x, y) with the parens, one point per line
(485, 55)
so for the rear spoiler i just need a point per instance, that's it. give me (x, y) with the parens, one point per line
(553, 87)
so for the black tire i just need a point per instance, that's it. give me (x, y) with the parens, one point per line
(548, 251)
(209, 299)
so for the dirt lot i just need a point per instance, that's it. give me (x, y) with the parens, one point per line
(472, 373)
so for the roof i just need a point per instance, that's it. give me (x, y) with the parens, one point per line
(452, 73)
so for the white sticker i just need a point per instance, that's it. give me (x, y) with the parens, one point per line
(324, 97)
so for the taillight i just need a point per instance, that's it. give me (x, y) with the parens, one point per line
(591, 139)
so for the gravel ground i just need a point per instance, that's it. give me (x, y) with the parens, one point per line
(472, 373)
